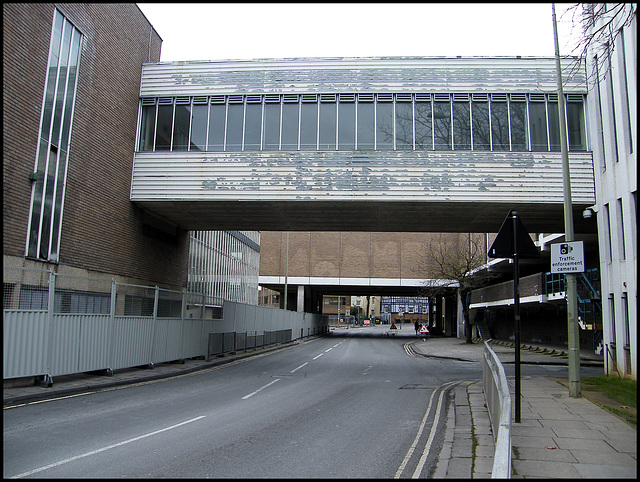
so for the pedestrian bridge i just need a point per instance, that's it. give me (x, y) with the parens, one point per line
(366, 144)
(415, 191)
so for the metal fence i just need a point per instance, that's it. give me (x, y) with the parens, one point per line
(498, 398)
(57, 324)
(231, 342)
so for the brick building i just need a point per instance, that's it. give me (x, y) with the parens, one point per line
(71, 81)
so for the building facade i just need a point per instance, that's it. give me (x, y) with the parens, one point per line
(223, 265)
(70, 112)
(612, 81)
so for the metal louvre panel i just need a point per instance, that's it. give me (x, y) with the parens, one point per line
(347, 97)
(537, 97)
(404, 97)
(575, 97)
(440, 97)
(423, 97)
(217, 99)
(292, 98)
(254, 99)
(200, 99)
(552, 97)
(362, 97)
(272, 98)
(183, 100)
(384, 97)
(149, 100)
(518, 97)
(477, 97)
(499, 97)
(460, 97)
(309, 97)
(235, 99)
(165, 101)
(328, 97)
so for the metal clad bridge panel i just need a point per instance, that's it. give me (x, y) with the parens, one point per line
(406, 74)
(425, 176)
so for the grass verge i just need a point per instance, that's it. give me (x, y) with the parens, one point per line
(617, 395)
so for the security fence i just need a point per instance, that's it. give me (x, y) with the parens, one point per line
(56, 324)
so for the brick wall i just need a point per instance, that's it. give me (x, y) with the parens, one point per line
(344, 254)
(102, 230)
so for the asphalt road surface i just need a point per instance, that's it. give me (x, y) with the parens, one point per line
(346, 405)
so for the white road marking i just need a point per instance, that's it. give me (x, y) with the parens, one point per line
(260, 389)
(427, 447)
(97, 451)
(419, 434)
(295, 369)
(316, 357)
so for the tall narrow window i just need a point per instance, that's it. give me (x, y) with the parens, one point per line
(404, 123)
(481, 133)
(347, 123)
(253, 123)
(554, 124)
(290, 123)
(271, 127)
(163, 126)
(327, 127)
(199, 113)
(365, 123)
(181, 123)
(538, 126)
(50, 172)
(499, 125)
(608, 240)
(612, 104)
(309, 123)
(620, 223)
(235, 121)
(575, 126)
(442, 125)
(599, 116)
(217, 116)
(384, 122)
(147, 125)
(626, 111)
(461, 125)
(518, 116)
(424, 122)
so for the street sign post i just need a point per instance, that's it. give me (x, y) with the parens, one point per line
(513, 241)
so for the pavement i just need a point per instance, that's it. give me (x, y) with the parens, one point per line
(558, 436)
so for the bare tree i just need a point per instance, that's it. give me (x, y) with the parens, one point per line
(455, 260)
(594, 28)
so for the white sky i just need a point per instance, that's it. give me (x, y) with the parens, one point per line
(283, 30)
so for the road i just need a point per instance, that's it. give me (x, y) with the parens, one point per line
(336, 406)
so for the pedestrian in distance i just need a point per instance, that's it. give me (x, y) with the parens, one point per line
(416, 326)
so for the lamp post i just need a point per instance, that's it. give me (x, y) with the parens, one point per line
(573, 340)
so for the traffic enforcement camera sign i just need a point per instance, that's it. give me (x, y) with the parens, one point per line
(567, 257)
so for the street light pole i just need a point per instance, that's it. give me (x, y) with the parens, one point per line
(573, 339)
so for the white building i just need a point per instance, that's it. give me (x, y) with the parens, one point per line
(613, 126)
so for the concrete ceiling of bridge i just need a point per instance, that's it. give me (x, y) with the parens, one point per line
(391, 216)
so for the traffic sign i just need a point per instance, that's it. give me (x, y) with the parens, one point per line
(567, 257)
(424, 329)
(503, 245)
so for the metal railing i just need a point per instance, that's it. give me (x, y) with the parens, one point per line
(498, 397)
